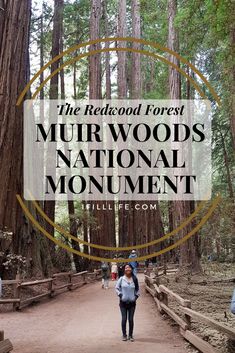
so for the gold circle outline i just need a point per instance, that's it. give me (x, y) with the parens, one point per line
(126, 248)
(140, 258)
(61, 230)
(139, 51)
(124, 39)
(156, 45)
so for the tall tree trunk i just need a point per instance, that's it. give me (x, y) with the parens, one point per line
(173, 44)
(85, 261)
(174, 79)
(109, 224)
(232, 119)
(14, 57)
(189, 251)
(13, 79)
(73, 227)
(42, 62)
(227, 167)
(95, 60)
(73, 223)
(121, 68)
(136, 72)
(107, 54)
(2, 16)
(49, 206)
(57, 20)
(61, 44)
(144, 225)
(123, 215)
(136, 218)
(96, 231)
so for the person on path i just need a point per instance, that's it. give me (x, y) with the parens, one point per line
(233, 303)
(105, 275)
(121, 266)
(127, 288)
(146, 263)
(133, 263)
(114, 270)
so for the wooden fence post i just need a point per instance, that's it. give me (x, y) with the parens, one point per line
(16, 292)
(53, 288)
(165, 298)
(187, 317)
(50, 288)
(188, 321)
(155, 271)
(165, 268)
(84, 278)
(70, 282)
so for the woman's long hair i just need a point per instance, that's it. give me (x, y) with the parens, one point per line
(135, 279)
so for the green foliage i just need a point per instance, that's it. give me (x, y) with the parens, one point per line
(218, 233)
(205, 39)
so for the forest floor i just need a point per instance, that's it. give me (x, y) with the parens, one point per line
(211, 299)
(87, 320)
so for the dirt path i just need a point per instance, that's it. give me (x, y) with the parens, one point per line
(88, 321)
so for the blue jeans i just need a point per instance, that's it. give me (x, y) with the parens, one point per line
(127, 312)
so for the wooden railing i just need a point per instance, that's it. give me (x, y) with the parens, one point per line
(5, 344)
(161, 294)
(52, 288)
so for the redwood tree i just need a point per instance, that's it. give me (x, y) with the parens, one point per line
(123, 215)
(49, 206)
(96, 230)
(109, 223)
(144, 225)
(14, 25)
(189, 251)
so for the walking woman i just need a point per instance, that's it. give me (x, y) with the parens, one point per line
(114, 270)
(127, 288)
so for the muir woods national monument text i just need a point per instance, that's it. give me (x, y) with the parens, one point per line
(120, 148)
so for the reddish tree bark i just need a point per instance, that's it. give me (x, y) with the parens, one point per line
(97, 229)
(14, 61)
(121, 68)
(180, 210)
(49, 206)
